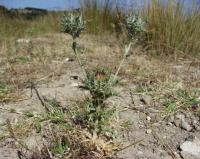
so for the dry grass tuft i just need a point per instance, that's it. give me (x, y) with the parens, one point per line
(171, 28)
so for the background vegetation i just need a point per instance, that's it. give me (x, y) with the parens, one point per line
(171, 28)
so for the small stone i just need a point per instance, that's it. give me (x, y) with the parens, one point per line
(33, 141)
(140, 153)
(152, 110)
(171, 119)
(148, 118)
(23, 41)
(164, 137)
(146, 99)
(190, 148)
(185, 125)
(177, 155)
(180, 121)
(196, 124)
(177, 122)
(149, 131)
(74, 77)
(170, 124)
(75, 84)
(69, 60)
(156, 124)
(136, 100)
(190, 138)
(180, 116)
(186, 155)
(197, 127)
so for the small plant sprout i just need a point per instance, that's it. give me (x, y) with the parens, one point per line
(134, 26)
(74, 25)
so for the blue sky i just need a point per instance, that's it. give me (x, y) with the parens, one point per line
(47, 4)
(57, 4)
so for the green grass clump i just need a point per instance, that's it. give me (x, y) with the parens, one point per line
(5, 89)
(182, 99)
(171, 28)
(55, 113)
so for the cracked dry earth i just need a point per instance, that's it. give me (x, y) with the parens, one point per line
(146, 132)
(152, 136)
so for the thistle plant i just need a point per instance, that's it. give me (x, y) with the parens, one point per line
(134, 26)
(99, 81)
(74, 25)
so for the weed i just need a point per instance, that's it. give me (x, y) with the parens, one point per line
(12, 110)
(126, 125)
(38, 126)
(5, 89)
(21, 59)
(28, 114)
(56, 113)
(60, 147)
(170, 105)
(181, 99)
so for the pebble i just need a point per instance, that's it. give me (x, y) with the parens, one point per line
(146, 99)
(75, 84)
(148, 118)
(181, 121)
(140, 153)
(185, 125)
(69, 60)
(23, 41)
(74, 77)
(191, 147)
(170, 124)
(149, 131)
(196, 124)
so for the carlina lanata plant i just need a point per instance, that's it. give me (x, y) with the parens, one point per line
(134, 25)
(74, 25)
(99, 81)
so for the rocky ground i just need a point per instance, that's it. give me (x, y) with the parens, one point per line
(155, 122)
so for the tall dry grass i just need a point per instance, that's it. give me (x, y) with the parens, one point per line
(172, 28)
(100, 15)
(19, 27)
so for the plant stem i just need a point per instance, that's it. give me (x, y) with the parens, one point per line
(126, 52)
(120, 65)
(74, 47)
